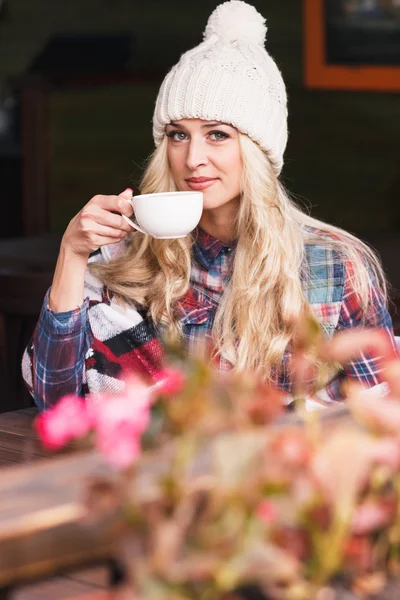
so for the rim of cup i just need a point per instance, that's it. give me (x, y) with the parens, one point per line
(167, 194)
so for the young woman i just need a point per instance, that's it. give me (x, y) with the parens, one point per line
(254, 265)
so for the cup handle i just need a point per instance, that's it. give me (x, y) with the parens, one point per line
(131, 223)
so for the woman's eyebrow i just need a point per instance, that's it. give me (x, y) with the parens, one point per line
(175, 125)
(205, 126)
(214, 124)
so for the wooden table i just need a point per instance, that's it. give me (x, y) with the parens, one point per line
(31, 547)
(17, 440)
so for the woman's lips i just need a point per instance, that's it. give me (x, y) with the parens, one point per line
(200, 183)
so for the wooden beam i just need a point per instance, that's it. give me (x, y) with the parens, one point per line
(35, 156)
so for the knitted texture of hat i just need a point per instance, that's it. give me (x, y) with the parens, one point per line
(231, 78)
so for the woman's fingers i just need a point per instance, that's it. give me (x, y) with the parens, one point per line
(107, 210)
(113, 220)
(116, 204)
(104, 217)
(91, 229)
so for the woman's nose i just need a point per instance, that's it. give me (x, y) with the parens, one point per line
(196, 156)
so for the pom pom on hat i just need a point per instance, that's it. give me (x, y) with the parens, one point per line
(237, 20)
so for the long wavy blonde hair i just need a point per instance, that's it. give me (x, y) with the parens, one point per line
(255, 320)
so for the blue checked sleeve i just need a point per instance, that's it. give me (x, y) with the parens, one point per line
(366, 369)
(53, 362)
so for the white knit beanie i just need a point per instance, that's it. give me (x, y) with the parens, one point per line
(231, 78)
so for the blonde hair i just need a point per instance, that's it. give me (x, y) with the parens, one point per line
(255, 320)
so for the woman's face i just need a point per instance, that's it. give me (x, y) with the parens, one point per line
(205, 156)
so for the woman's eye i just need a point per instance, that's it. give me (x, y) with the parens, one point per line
(217, 136)
(177, 136)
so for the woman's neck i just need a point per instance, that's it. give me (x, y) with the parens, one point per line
(220, 222)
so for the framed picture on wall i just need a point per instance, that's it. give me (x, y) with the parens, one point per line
(352, 44)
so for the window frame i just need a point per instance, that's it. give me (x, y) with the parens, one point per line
(319, 74)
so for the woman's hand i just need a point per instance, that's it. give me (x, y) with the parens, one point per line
(98, 224)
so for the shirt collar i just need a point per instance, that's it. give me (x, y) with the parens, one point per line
(207, 247)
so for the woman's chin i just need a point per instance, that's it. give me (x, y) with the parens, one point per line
(212, 203)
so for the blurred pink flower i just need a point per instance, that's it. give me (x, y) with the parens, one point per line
(120, 422)
(372, 515)
(386, 451)
(292, 446)
(267, 512)
(69, 419)
(170, 382)
(358, 552)
(119, 442)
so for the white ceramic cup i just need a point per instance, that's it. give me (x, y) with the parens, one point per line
(167, 214)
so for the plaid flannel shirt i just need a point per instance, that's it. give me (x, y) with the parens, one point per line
(64, 344)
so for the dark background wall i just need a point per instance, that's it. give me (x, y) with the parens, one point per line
(342, 159)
